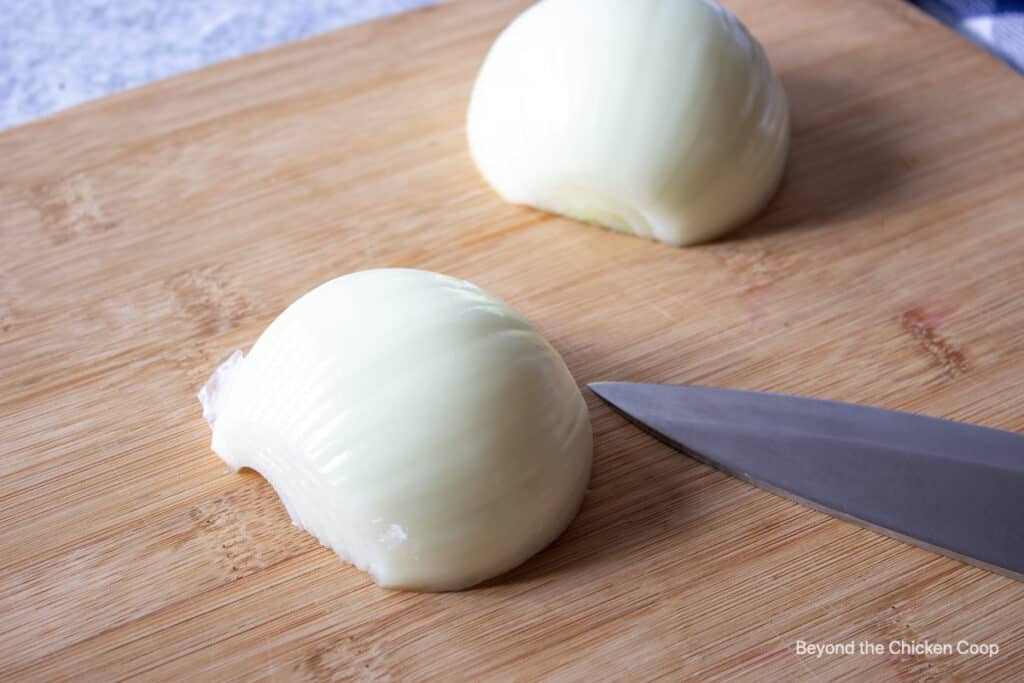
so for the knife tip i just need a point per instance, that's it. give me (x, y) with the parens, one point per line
(606, 390)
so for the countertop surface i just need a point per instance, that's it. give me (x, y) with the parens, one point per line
(55, 54)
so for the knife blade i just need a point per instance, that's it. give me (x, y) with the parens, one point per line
(951, 487)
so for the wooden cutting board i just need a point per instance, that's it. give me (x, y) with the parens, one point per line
(146, 236)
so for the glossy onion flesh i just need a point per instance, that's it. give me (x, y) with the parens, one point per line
(412, 422)
(661, 118)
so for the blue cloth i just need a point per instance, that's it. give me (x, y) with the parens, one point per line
(997, 25)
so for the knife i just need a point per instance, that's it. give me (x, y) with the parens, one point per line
(951, 487)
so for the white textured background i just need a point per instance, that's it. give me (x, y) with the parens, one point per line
(55, 54)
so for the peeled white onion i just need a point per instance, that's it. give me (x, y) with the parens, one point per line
(412, 422)
(661, 118)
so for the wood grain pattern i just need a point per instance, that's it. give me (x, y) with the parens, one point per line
(146, 236)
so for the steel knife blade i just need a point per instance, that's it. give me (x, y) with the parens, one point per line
(952, 487)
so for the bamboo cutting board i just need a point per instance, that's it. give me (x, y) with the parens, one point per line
(146, 236)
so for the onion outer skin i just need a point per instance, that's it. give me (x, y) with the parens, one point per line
(661, 118)
(412, 422)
